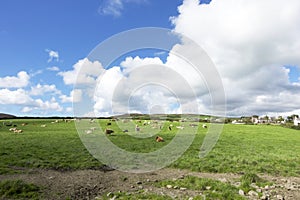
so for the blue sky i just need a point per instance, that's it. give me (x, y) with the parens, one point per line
(41, 42)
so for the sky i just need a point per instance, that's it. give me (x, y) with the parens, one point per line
(46, 67)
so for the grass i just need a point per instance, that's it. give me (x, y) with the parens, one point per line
(248, 148)
(241, 148)
(56, 146)
(18, 189)
(134, 196)
(249, 178)
(211, 189)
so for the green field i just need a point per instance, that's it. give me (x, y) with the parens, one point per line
(264, 149)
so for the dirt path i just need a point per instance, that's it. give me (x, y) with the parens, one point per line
(88, 184)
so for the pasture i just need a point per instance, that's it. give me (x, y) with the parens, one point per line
(241, 149)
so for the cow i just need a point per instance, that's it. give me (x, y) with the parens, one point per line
(108, 131)
(159, 139)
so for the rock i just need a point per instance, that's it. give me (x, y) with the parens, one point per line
(258, 190)
(148, 180)
(169, 186)
(109, 194)
(267, 187)
(191, 198)
(263, 197)
(223, 180)
(252, 193)
(140, 187)
(237, 184)
(208, 187)
(279, 197)
(175, 187)
(241, 192)
(114, 197)
(139, 182)
(182, 188)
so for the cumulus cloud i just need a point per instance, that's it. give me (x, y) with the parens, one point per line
(54, 68)
(142, 85)
(53, 55)
(21, 97)
(85, 72)
(115, 7)
(75, 96)
(250, 46)
(44, 106)
(19, 81)
(42, 89)
(16, 97)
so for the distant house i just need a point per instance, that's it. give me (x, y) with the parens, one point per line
(296, 121)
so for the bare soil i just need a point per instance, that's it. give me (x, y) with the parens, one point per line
(89, 184)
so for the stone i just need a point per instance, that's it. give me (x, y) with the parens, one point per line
(208, 187)
(279, 197)
(175, 187)
(109, 194)
(267, 187)
(263, 197)
(169, 186)
(182, 188)
(252, 193)
(241, 192)
(223, 180)
(258, 190)
(139, 182)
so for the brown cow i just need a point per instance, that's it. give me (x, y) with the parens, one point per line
(159, 139)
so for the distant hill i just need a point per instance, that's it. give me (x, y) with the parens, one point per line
(6, 116)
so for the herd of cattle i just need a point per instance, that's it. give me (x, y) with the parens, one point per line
(108, 130)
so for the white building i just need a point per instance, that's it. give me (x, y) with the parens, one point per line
(296, 121)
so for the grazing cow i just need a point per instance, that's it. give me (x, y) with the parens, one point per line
(12, 129)
(24, 124)
(170, 128)
(137, 128)
(204, 126)
(159, 139)
(109, 131)
(43, 125)
(18, 131)
(108, 124)
(125, 131)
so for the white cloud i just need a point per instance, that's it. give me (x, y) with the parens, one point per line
(22, 98)
(249, 45)
(42, 89)
(19, 81)
(84, 72)
(53, 55)
(75, 96)
(54, 68)
(115, 7)
(41, 106)
(145, 85)
(15, 97)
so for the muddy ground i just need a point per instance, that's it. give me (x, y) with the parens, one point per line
(89, 184)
